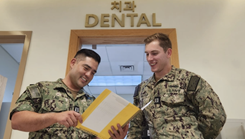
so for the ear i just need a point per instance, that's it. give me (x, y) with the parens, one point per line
(73, 61)
(169, 52)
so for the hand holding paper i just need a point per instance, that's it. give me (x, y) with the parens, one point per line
(68, 118)
(107, 110)
(120, 133)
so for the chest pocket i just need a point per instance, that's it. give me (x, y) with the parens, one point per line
(173, 95)
(55, 104)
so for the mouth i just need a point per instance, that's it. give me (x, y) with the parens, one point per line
(84, 79)
(152, 64)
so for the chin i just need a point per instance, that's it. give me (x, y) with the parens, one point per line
(82, 84)
(153, 70)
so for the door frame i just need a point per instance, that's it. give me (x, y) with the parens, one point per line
(117, 36)
(16, 37)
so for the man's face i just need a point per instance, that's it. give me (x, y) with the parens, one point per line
(156, 57)
(82, 72)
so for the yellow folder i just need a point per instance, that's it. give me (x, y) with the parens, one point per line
(107, 110)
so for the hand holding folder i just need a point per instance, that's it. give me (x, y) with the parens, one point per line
(120, 133)
(108, 109)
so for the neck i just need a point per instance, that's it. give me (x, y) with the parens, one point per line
(159, 75)
(69, 84)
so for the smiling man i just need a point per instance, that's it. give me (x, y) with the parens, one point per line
(51, 109)
(184, 106)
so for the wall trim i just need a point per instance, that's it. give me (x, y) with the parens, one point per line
(16, 37)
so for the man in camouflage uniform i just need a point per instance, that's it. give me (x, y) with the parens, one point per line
(184, 106)
(52, 109)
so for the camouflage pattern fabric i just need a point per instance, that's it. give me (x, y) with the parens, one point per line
(45, 97)
(188, 108)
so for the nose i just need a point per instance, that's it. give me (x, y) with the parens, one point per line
(89, 74)
(149, 57)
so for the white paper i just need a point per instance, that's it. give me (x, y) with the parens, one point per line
(105, 112)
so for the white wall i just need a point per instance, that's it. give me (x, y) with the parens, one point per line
(233, 129)
(210, 38)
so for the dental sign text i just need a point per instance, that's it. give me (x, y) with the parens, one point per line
(107, 20)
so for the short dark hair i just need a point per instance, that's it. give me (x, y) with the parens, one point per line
(88, 53)
(163, 39)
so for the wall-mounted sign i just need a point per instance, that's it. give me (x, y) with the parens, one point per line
(92, 20)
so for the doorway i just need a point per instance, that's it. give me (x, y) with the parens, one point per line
(117, 36)
(16, 37)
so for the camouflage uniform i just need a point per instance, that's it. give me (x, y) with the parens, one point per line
(184, 106)
(46, 97)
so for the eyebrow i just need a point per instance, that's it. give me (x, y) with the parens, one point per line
(89, 67)
(152, 51)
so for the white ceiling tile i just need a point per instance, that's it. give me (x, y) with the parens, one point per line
(125, 52)
(100, 49)
(99, 90)
(104, 68)
(121, 90)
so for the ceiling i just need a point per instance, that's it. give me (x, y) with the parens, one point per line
(115, 55)
(112, 57)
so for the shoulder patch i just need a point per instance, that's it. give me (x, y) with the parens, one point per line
(193, 83)
(34, 91)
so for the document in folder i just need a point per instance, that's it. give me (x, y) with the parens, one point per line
(107, 110)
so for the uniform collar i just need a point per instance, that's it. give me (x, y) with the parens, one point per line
(61, 86)
(168, 77)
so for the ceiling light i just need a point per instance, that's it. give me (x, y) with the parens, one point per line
(116, 80)
(127, 68)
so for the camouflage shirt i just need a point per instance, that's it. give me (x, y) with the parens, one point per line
(184, 106)
(45, 97)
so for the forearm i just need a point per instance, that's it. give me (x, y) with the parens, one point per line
(31, 121)
(211, 115)
(212, 122)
